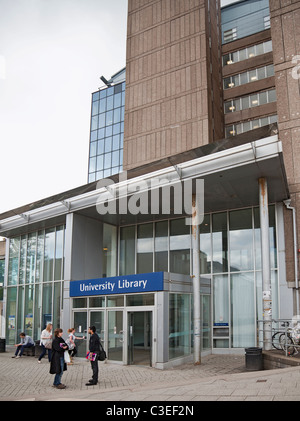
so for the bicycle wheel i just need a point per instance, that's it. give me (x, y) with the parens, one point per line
(275, 341)
(287, 342)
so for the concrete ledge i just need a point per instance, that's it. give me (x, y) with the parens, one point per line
(276, 359)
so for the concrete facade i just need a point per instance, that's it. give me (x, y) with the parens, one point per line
(173, 77)
(285, 18)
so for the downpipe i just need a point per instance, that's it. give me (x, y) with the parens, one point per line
(288, 206)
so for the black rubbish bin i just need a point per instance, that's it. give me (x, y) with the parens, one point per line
(2, 345)
(254, 359)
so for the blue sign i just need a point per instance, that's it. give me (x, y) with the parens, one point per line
(144, 282)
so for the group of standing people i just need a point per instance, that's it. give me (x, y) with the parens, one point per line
(57, 347)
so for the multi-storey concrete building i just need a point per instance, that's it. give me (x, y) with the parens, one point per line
(120, 254)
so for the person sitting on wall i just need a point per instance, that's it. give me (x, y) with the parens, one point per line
(26, 342)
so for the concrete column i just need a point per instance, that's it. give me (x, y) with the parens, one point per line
(265, 259)
(196, 281)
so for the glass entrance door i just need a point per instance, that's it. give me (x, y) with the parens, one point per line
(115, 335)
(97, 320)
(140, 338)
(80, 325)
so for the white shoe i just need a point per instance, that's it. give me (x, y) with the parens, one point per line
(39, 362)
(18, 356)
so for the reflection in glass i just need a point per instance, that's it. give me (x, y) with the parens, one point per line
(13, 268)
(180, 244)
(205, 245)
(11, 319)
(109, 259)
(242, 310)
(219, 240)
(241, 240)
(179, 325)
(221, 300)
(145, 248)
(49, 254)
(127, 250)
(161, 246)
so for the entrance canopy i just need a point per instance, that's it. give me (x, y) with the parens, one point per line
(230, 170)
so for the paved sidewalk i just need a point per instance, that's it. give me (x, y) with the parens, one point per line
(219, 377)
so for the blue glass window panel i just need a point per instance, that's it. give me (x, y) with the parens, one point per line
(94, 123)
(93, 136)
(120, 168)
(107, 160)
(110, 91)
(92, 164)
(107, 172)
(114, 170)
(117, 100)
(122, 113)
(117, 88)
(95, 96)
(108, 143)
(95, 107)
(103, 93)
(99, 175)
(102, 107)
(123, 98)
(108, 131)
(121, 157)
(110, 103)
(123, 86)
(121, 140)
(93, 149)
(115, 159)
(101, 122)
(117, 115)
(116, 128)
(109, 118)
(100, 162)
(92, 177)
(101, 133)
(116, 142)
(100, 147)
(122, 127)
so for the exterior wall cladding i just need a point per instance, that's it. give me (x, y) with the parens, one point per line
(173, 78)
(285, 31)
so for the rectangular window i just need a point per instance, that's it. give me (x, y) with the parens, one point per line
(145, 248)
(219, 241)
(161, 246)
(127, 250)
(230, 35)
(179, 325)
(180, 244)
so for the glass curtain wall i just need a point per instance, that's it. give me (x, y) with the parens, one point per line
(35, 273)
(161, 246)
(230, 254)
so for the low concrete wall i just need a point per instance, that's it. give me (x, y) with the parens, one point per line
(276, 359)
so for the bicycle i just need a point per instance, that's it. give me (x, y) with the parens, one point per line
(287, 341)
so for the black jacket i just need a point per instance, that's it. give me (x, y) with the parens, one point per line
(57, 353)
(94, 345)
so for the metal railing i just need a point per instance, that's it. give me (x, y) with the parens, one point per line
(285, 335)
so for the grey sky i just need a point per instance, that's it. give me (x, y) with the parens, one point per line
(52, 54)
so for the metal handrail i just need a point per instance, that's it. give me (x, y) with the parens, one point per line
(284, 327)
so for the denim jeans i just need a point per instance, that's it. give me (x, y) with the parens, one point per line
(22, 347)
(44, 352)
(57, 378)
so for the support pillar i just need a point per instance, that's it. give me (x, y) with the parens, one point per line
(265, 259)
(196, 281)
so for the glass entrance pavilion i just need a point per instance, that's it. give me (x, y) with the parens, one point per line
(131, 275)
